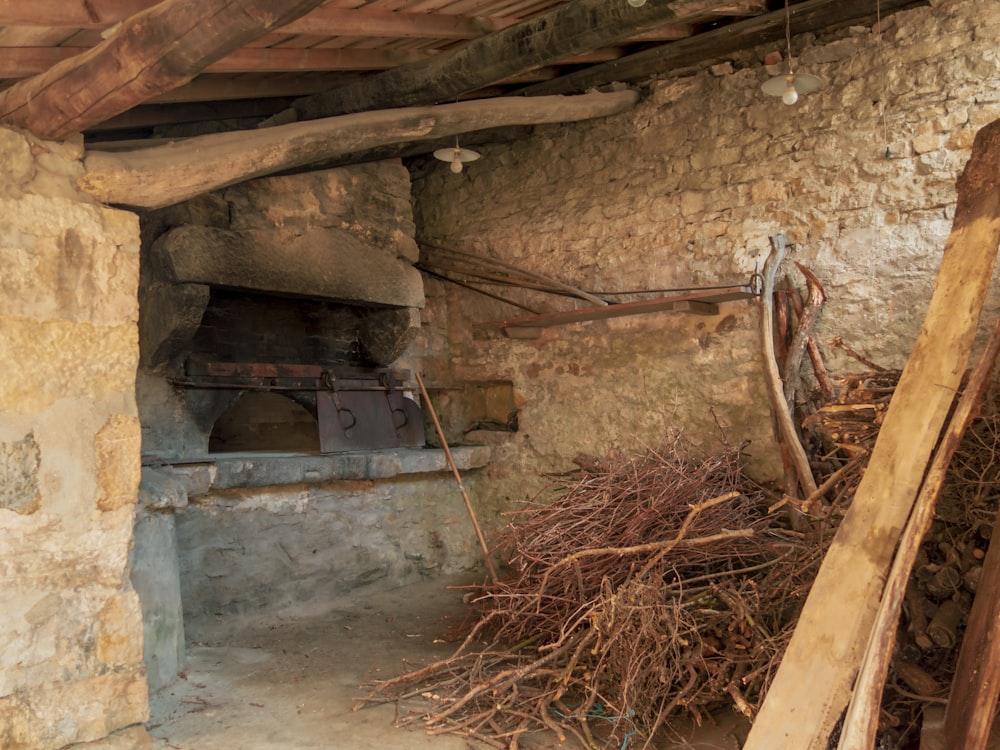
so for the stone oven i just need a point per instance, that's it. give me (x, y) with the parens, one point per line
(284, 456)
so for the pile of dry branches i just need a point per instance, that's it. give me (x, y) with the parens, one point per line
(650, 585)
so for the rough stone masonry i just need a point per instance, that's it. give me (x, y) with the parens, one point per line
(684, 191)
(70, 633)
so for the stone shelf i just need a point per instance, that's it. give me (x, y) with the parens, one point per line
(222, 471)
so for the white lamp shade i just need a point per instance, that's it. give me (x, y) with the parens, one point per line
(803, 83)
(462, 154)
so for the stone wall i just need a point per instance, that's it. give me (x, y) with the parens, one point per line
(684, 190)
(288, 551)
(70, 632)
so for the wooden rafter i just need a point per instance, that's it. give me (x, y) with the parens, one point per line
(20, 62)
(811, 15)
(569, 29)
(327, 20)
(157, 50)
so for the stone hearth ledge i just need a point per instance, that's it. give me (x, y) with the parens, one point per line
(234, 470)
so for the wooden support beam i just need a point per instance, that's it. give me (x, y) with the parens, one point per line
(813, 683)
(20, 62)
(569, 29)
(212, 88)
(812, 15)
(327, 20)
(160, 176)
(77, 14)
(157, 50)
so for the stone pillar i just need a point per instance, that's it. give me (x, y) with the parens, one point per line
(71, 631)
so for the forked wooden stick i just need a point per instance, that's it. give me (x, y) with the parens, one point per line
(775, 388)
(458, 478)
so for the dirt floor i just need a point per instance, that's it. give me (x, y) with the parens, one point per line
(291, 684)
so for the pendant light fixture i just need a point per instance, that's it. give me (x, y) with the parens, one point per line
(456, 156)
(792, 84)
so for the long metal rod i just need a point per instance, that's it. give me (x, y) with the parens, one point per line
(458, 477)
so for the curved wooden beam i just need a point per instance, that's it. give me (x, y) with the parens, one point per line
(162, 175)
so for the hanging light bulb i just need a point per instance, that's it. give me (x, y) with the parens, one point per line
(791, 95)
(791, 85)
(456, 157)
(636, 3)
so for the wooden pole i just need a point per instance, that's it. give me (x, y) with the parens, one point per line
(458, 478)
(813, 682)
(861, 722)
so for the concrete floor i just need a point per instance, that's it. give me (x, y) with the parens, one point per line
(290, 685)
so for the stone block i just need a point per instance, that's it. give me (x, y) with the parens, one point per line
(19, 462)
(118, 447)
(80, 266)
(16, 162)
(385, 333)
(170, 315)
(155, 577)
(73, 712)
(118, 641)
(161, 490)
(923, 144)
(370, 201)
(53, 360)
(197, 479)
(325, 263)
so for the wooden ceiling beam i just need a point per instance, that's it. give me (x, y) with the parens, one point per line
(20, 62)
(809, 16)
(77, 14)
(569, 29)
(159, 176)
(155, 51)
(210, 88)
(327, 20)
(317, 59)
(151, 115)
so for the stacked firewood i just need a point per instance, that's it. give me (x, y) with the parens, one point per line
(649, 586)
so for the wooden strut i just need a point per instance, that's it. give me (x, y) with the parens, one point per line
(861, 721)
(458, 477)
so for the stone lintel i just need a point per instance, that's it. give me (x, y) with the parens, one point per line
(326, 263)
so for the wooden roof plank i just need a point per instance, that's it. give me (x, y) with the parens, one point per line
(327, 20)
(155, 51)
(79, 14)
(811, 15)
(569, 29)
(291, 59)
